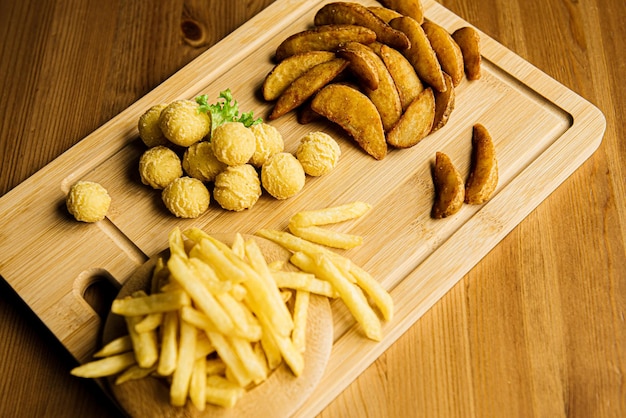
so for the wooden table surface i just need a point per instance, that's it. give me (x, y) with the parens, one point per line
(537, 328)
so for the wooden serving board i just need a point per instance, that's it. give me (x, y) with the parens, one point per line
(542, 133)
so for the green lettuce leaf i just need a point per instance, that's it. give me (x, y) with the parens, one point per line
(226, 109)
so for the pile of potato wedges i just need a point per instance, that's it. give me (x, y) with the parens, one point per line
(385, 74)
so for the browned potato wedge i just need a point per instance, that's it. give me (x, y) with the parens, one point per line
(447, 51)
(384, 13)
(361, 64)
(420, 54)
(468, 40)
(288, 70)
(307, 85)
(385, 97)
(356, 14)
(306, 114)
(411, 8)
(407, 82)
(323, 38)
(415, 123)
(449, 187)
(356, 114)
(483, 177)
(444, 104)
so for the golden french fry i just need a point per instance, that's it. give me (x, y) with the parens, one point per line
(168, 355)
(300, 314)
(238, 246)
(483, 177)
(181, 378)
(217, 258)
(251, 362)
(150, 322)
(289, 69)
(116, 346)
(107, 366)
(449, 187)
(330, 215)
(222, 392)
(420, 54)
(411, 8)
(323, 38)
(176, 243)
(230, 358)
(381, 298)
(356, 114)
(272, 353)
(468, 40)
(416, 122)
(207, 275)
(134, 372)
(355, 14)
(353, 297)
(215, 366)
(144, 343)
(307, 85)
(247, 325)
(149, 304)
(298, 280)
(203, 346)
(444, 104)
(326, 237)
(197, 385)
(447, 50)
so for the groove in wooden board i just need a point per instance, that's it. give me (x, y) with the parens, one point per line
(32, 214)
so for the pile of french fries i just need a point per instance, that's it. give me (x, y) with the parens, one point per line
(220, 318)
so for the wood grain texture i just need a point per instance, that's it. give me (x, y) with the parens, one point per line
(535, 329)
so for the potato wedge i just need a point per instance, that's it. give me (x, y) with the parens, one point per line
(447, 50)
(411, 8)
(416, 121)
(420, 54)
(323, 38)
(348, 13)
(444, 104)
(385, 97)
(449, 187)
(288, 70)
(307, 85)
(384, 13)
(404, 76)
(356, 114)
(361, 64)
(483, 177)
(306, 114)
(468, 40)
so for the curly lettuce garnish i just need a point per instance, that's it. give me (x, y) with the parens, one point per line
(226, 109)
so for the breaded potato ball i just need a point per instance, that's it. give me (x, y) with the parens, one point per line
(269, 141)
(186, 197)
(233, 143)
(148, 126)
(282, 175)
(88, 201)
(199, 162)
(183, 124)
(159, 166)
(237, 187)
(318, 153)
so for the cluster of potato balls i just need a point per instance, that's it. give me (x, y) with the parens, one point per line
(238, 161)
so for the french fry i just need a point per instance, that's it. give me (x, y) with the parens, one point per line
(144, 343)
(327, 237)
(150, 322)
(149, 304)
(134, 372)
(272, 353)
(203, 346)
(168, 356)
(107, 366)
(247, 325)
(181, 378)
(330, 215)
(215, 366)
(238, 246)
(251, 362)
(230, 358)
(297, 280)
(117, 346)
(222, 392)
(197, 386)
(300, 314)
(206, 273)
(381, 298)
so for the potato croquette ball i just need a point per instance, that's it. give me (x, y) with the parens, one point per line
(88, 201)
(233, 143)
(318, 153)
(183, 124)
(199, 162)
(269, 141)
(237, 187)
(148, 126)
(186, 197)
(282, 175)
(159, 166)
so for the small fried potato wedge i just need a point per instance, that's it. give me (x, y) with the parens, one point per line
(361, 64)
(444, 104)
(349, 13)
(411, 8)
(306, 115)
(407, 82)
(468, 39)
(356, 114)
(385, 97)
(384, 13)
(447, 50)
(420, 54)
(307, 85)
(323, 38)
(286, 72)
(416, 121)
(449, 187)
(483, 177)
